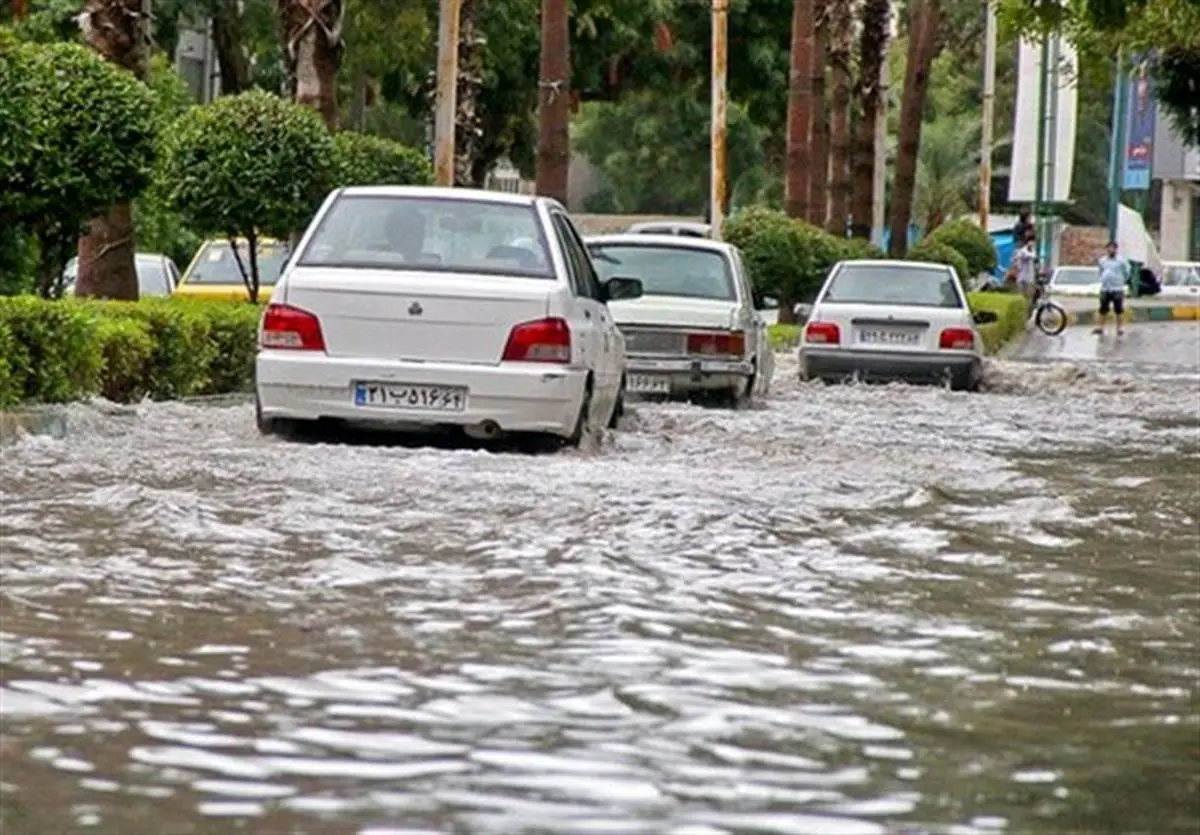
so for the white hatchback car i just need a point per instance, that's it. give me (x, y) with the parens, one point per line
(429, 308)
(697, 326)
(892, 320)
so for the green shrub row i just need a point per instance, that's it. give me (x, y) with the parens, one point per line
(960, 243)
(56, 352)
(1011, 313)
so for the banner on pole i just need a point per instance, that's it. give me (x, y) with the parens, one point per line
(1064, 101)
(1141, 114)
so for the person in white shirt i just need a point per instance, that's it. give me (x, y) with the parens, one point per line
(1114, 273)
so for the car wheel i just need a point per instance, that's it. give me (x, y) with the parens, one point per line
(581, 423)
(272, 426)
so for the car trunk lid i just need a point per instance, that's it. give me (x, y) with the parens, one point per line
(890, 328)
(660, 324)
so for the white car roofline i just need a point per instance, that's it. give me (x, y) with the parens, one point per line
(655, 239)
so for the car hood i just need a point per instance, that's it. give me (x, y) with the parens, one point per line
(680, 311)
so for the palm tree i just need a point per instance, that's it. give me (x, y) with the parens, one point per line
(872, 52)
(922, 48)
(818, 194)
(800, 113)
(947, 170)
(468, 120)
(554, 112)
(313, 47)
(841, 34)
(119, 31)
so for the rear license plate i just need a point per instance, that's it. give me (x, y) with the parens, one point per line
(889, 336)
(409, 396)
(648, 384)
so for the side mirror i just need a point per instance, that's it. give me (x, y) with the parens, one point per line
(984, 317)
(765, 302)
(621, 289)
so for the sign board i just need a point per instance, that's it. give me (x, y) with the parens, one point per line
(1062, 105)
(1141, 114)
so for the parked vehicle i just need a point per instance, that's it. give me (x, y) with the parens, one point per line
(1075, 281)
(157, 275)
(697, 326)
(1181, 280)
(685, 228)
(443, 309)
(892, 320)
(215, 274)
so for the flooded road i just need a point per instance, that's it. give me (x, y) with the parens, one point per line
(850, 610)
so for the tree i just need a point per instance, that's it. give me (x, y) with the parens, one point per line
(922, 46)
(362, 160)
(947, 169)
(247, 166)
(841, 44)
(818, 186)
(91, 134)
(554, 111)
(118, 31)
(868, 92)
(312, 36)
(800, 113)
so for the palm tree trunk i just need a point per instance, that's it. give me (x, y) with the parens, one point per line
(313, 46)
(818, 194)
(841, 25)
(800, 112)
(922, 46)
(872, 52)
(117, 30)
(468, 120)
(227, 43)
(554, 93)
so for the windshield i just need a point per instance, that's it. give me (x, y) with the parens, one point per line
(1181, 275)
(216, 264)
(432, 234)
(1077, 276)
(667, 270)
(151, 274)
(888, 284)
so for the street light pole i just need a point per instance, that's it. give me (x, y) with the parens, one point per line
(717, 173)
(989, 108)
(447, 91)
(1116, 143)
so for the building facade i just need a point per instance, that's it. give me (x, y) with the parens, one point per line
(1178, 166)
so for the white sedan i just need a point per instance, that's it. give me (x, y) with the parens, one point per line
(1181, 280)
(1075, 281)
(413, 308)
(892, 320)
(697, 326)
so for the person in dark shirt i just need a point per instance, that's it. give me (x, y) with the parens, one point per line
(1023, 228)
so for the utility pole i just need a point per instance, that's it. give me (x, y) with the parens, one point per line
(1039, 191)
(717, 173)
(1116, 144)
(447, 91)
(989, 108)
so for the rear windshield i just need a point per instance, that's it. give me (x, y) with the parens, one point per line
(1181, 275)
(430, 234)
(1078, 275)
(885, 284)
(666, 270)
(216, 264)
(152, 276)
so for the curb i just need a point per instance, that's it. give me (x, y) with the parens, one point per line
(1148, 313)
(52, 420)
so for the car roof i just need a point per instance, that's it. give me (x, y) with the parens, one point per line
(262, 239)
(886, 262)
(475, 195)
(691, 225)
(664, 240)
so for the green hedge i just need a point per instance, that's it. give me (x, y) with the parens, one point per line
(56, 352)
(938, 253)
(971, 242)
(1011, 313)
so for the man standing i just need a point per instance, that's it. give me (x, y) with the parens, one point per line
(1114, 272)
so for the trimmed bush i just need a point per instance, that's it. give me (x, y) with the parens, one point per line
(856, 249)
(971, 242)
(1011, 312)
(364, 160)
(54, 352)
(936, 253)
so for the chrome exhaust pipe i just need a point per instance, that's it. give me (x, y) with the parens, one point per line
(488, 430)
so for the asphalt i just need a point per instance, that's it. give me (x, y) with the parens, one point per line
(1151, 344)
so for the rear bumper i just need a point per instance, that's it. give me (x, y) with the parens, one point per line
(961, 370)
(519, 397)
(683, 374)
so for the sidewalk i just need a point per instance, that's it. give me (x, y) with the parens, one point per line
(1081, 310)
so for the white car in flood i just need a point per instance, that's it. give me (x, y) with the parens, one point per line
(442, 309)
(892, 320)
(696, 328)
(1075, 281)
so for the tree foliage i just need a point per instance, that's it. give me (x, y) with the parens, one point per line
(970, 241)
(362, 160)
(935, 252)
(787, 258)
(247, 166)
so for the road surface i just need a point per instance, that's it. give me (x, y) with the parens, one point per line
(1151, 346)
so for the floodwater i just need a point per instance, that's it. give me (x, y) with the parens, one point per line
(849, 610)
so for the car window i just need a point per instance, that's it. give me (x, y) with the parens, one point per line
(1181, 275)
(667, 270)
(1076, 276)
(152, 277)
(430, 234)
(884, 284)
(217, 265)
(583, 276)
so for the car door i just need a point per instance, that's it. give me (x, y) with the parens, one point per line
(598, 322)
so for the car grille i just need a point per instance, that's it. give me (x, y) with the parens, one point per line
(654, 342)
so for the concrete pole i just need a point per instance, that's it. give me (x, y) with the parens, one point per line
(1115, 148)
(879, 187)
(447, 91)
(717, 172)
(989, 110)
(1040, 185)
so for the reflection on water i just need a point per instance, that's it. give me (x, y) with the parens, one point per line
(852, 610)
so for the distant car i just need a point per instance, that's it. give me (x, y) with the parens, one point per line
(685, 228)
(697, 326)
(413, 308)
(157, 275)
(1075, 281)
(214, 272)
(1181, 280)
(892, 320)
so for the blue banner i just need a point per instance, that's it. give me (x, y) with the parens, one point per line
(1141, 112)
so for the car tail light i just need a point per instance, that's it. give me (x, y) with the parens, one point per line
(290, 328)
(826, 333)
(957, 339)
(543, 340)
(731, 343)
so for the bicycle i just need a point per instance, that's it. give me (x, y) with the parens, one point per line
(1049, 316)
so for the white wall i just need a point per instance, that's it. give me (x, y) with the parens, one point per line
(1175, 223)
